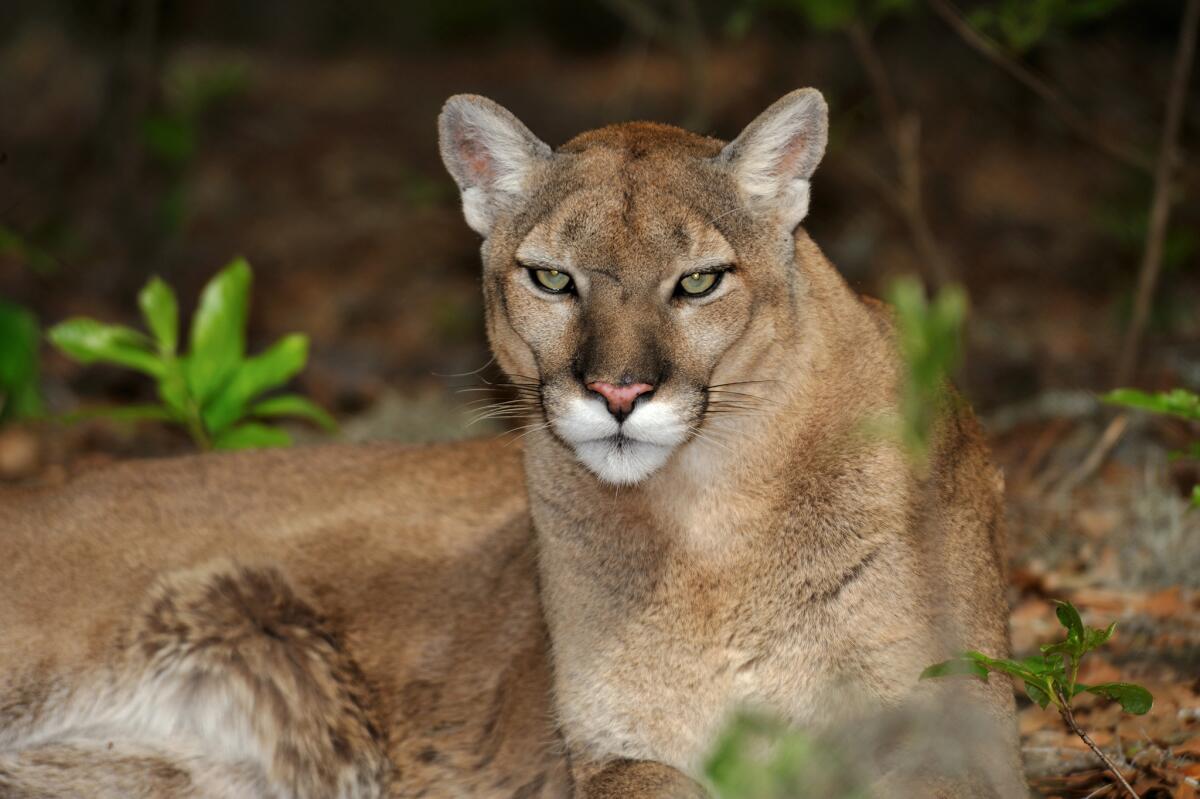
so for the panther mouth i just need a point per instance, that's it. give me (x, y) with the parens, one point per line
(622, 452)
(622, 460)
(621, 439)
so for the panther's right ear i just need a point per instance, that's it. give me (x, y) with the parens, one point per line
(490, 155)
(775, 156)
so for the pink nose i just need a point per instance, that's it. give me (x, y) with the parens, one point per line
(620, 398)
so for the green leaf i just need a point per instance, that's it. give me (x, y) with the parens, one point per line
(1196, 496)
(1037, 693)
(979, 664)
(1042, 665)
(20, 396)
(1069, 617)
(170, 138)
(1094, 638)
(272, 368)
(173, 388)
(294, 405)
(1059, 648)
(953, 667)
(1177, 402)
(1003, 665)
(89, 341)
(218, 340)
(1133, 698)
(161, 312)
(251, 435)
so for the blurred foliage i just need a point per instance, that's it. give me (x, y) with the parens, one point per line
(171, 134)
(820, 15)
(35, 248)
(20, 397)
(1021, 25)
(1179, 402)
(761, 758)
(928, 333)
(214, 390)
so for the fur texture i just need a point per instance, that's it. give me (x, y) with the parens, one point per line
(580, 617)
(340, 621)
(766, 549)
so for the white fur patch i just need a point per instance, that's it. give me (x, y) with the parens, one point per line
(476, 210)
(621, 453)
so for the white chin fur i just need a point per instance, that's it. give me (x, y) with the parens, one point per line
(621, 453)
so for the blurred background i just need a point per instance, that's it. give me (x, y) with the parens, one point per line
(1010, 146)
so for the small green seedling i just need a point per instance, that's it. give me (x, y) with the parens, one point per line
(1051, 678)
(214, 390)
(19, 394)
(1178, 402)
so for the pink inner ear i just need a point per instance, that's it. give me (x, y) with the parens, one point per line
(476, 159)
(790, 160)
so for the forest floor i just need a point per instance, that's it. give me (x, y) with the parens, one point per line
(324, 173)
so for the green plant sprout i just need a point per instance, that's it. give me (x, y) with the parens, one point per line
(928, 332)
(19, 394)
(214, 390)
(1178, 402)
(1052, 677)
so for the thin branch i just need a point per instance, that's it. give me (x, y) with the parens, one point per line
(1070, 116)
(1160, 206)
(1096, 455)
(903, 131)
(1064, 709)
(881, 84)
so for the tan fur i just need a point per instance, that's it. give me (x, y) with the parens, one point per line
(369, 621)
(338, 621)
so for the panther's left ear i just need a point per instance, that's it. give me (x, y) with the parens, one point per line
(490, 154)
(775, 156)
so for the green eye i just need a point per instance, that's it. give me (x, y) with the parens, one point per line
(552, 280)
(698, 283)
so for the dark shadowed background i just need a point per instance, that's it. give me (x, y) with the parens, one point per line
(142, 138)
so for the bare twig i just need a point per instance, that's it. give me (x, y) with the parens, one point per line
(1064, 709)
(1067, 113)
(1096, 455)
(1160, 206)
(903, 131)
